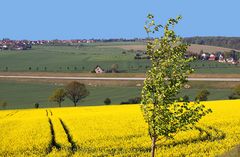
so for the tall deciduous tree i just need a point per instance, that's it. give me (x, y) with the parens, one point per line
(76, 91)
(58, 96)
(169, 71)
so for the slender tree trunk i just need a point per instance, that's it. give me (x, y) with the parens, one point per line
(75, 104)
(59, 104)
(153, 146)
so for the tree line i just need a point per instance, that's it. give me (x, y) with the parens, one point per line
(228, 42)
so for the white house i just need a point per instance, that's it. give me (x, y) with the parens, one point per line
(99, 70)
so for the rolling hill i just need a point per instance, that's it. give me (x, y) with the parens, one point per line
(195, 48)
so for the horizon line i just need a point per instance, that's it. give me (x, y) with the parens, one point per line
(134, 38)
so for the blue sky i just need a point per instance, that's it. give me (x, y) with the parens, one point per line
(78, 19)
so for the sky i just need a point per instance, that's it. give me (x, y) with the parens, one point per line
(104, 19)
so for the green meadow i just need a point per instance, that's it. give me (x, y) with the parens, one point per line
(84, 58)
(69, 59)
(26, 94)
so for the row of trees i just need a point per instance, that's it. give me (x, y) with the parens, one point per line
(229, 42)
(74, 91)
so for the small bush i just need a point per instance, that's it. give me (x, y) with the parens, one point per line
(135, 100)
(36, 105)
(107, 101)
(236, 93)
(202, 95)
(185, 98)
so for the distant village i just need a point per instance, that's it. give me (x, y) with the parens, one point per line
(227, 57)
(8, 44)
(231, 57)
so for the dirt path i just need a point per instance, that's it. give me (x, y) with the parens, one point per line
(52, 74)
(227, 79)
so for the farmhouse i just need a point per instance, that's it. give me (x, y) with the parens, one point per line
(99, 70)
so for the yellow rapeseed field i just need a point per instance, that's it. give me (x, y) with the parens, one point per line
(117, 130)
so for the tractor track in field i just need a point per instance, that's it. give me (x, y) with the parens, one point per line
(49, 113)
(53, 144)
(53, 138)
(69, 137)
(10, 114)
(13, 113)
(212, 134)
(209, 133)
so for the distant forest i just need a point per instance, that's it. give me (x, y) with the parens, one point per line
(228, 42)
